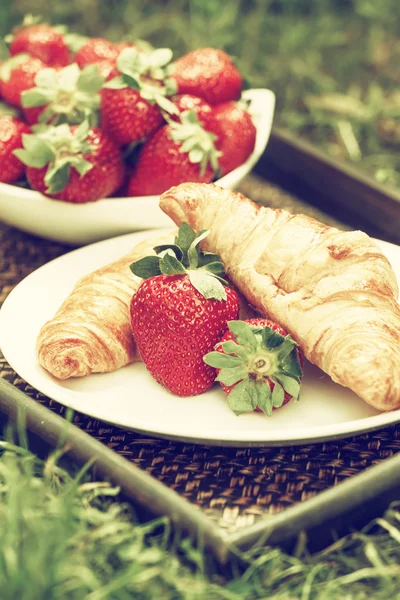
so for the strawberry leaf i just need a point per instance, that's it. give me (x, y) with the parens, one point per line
(81, 165)
(264, 397)
(46, 78)
(220, 361)
(69, 94)
(208, 257)
(147, 62)
(9, 65)
(195, 140)
(289, 384)
(160, 57)
(176, 250)
(131, 62)
(184, 239)
(131, 81)
(216, 268)
(189, 117)
(68, 77)
(171, 87)
(146, 267)
(28, 160)
(170, 265)
(188, 145)
(291, 364)
(278, 395)
(47, 114)
(34, 97)
(174, 259)
(193, 250)
(36, 153)
(230, 347)
(195, 156)
(231, 375)
(243, 334)
(166, 104)
(117, 83)
(8, 111)
(271, 338)
(75, 41)
(57, 177)
(82, 131)
(287, 347)
(90, 81)
(208, 285)
(241, 398)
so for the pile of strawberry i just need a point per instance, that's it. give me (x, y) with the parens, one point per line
(83, 118)
(185, 321)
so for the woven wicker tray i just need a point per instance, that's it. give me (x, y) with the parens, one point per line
(234, 488)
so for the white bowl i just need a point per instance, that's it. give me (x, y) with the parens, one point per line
(86, 223)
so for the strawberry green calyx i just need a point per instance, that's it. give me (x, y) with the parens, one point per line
(145, 71)
(10, 64)
(133, 62)
(204, 269)
(8, 111)
(195, 140)
(258, 357)
(74, 41)
(70, 95)
(60, 148)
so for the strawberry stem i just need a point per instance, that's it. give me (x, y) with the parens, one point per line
(60, 149)
(185, 257)
(195, 140)
(70, 95)
(262, 365)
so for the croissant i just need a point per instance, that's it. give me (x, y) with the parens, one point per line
(333, 291)
(90, 332)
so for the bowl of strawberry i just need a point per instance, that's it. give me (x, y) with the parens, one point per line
(92, 132)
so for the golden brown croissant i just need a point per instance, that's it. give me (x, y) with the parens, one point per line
(333, 291)
(90, 332)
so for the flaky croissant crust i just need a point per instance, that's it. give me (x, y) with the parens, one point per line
(335, 292)
(90, 332)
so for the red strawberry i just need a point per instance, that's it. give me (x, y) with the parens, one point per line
(179, 312)
(238, 135)
(72, 163)
(131, 103)
(68, 95)
(11, 130)
(107, 69)
(208, 73)
(17, 74)
(102, 53)
(184, 102)
(41, 41)
(259, 366)
(203, 110)
(176, 153)
(127, 117)
(96, 50)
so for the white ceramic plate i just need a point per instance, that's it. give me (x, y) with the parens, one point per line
(130, 398)
(86, 223)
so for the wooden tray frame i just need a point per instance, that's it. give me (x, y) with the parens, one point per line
(352, 197)
(333, 512)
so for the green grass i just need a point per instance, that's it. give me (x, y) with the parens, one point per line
(66, 537)
(333, 64)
